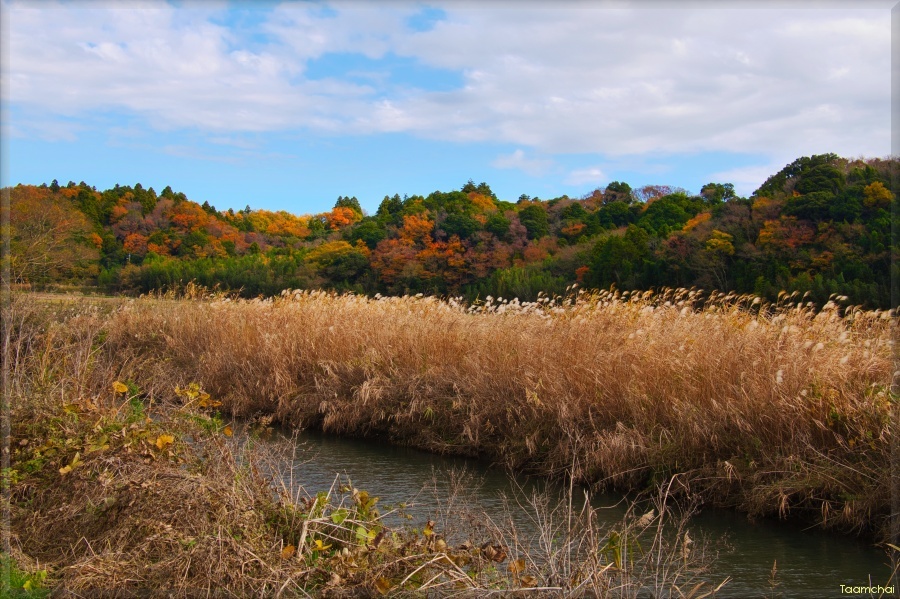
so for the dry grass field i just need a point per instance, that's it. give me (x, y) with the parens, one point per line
(773, 409)
(124, 478)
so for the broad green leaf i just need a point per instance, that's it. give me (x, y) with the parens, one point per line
(361, 534)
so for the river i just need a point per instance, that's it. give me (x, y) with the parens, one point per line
(810, 563)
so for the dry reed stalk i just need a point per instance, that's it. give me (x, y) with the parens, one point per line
(124, 493)
(772, 408)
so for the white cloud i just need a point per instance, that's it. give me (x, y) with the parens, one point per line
(517, 160)
(175, 67)
(591, 175)
(566, 78)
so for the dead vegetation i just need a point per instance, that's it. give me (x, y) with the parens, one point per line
(774, 409)
(125, 481)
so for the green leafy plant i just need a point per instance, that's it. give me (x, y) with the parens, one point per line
(21, 583)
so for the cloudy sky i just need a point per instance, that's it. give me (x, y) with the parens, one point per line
(289, 105)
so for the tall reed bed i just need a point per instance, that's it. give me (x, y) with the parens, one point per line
(136, 489)
(774, 409)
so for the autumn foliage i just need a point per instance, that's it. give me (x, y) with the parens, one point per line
(820, 226)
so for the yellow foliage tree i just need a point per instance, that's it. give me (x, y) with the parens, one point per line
(877, 195)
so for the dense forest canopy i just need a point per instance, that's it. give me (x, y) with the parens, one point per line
(820, 225)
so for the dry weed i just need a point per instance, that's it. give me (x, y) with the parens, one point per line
(125, 481)
(773, 408)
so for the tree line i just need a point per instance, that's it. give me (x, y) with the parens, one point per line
(820, 226)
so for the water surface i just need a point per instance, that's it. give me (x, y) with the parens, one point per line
(810, 563)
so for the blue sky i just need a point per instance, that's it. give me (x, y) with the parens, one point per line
(289, 105)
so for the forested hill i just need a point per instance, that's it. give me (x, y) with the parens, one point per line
(822, 224)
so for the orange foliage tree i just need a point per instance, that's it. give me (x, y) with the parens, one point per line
(188, 216)
(49, 239)
(416, 229)
(701, 218)
(786, 233)
(136, 244)
(340, 217)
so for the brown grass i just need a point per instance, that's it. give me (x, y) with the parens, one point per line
(143, 492)
(775, 409)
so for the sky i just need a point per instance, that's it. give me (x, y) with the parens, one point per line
(286, 106)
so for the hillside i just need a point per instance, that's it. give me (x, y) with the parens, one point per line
(820, 225)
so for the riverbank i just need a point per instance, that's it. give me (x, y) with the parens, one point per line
(116, 487)
(772, 410)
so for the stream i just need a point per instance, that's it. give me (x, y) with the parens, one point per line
(810, 563)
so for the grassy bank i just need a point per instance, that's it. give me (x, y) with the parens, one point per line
(775, 410)
(124, 480)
